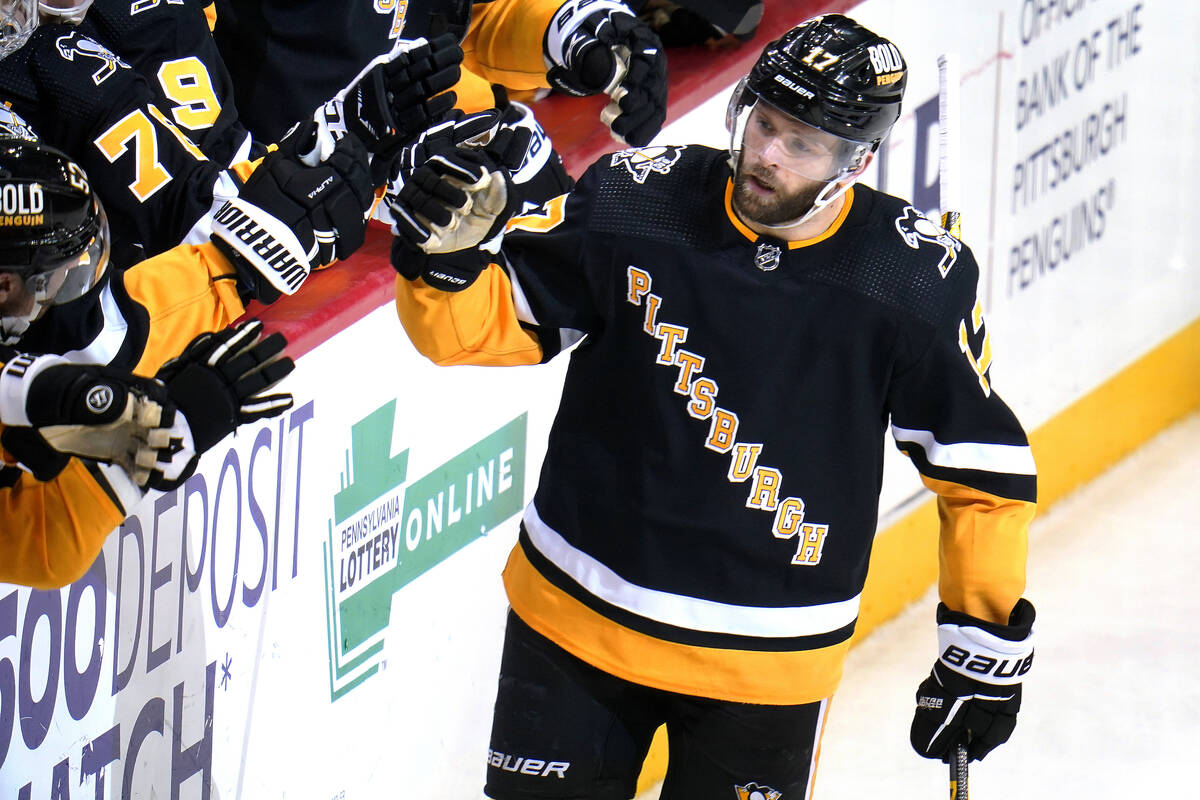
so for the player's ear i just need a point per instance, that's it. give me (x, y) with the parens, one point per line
(6, 286)
(856, 173)
(862, 167)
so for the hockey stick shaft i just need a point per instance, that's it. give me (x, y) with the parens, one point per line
(949, 181)
(950, 203)
(958, 773)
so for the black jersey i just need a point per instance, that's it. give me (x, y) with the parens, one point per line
(288, 57)
(170, 44)
(158, 187)
(709, 495)
(133, 320)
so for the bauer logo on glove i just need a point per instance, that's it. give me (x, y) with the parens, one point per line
(973, 693)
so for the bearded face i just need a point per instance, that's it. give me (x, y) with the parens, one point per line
(768, 195)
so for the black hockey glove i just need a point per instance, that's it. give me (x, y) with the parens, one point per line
(395, 97)
(453, 190)
(450, 272)
(290, 218)
(56, 409)
(594, 46)
(974, 691)
(538, 175)
(219, 380)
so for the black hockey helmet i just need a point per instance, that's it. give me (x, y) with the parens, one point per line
(53, 232)
(830, 73)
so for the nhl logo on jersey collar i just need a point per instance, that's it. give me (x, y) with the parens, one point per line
(767, 256)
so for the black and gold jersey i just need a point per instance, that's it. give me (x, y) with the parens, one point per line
(287, 57)
(139, 317)
(707, 504)
(136, 320)
(171, 45)
(158, 187)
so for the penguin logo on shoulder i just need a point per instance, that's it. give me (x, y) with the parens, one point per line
(73, 44)
(915, 228)
(641, 161)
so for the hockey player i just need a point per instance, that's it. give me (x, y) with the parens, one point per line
(581, 47)
(749, 324)
(127, 435)
(82, 98)
(287, 220)
(59, 296)
(138, 94)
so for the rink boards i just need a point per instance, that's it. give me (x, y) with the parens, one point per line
(318, 612)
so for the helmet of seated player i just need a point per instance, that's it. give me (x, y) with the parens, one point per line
(53, 234)
(18, 19)
(842, 82)
(64, 10)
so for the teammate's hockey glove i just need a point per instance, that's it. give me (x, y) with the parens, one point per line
(289, 218)
(449, 214)
(974, 691)
(451, 196)
(56, 409)
(219, 380)
(594, 46)
(538, 175)
(396, 96)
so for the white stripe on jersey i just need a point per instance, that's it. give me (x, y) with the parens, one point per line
(679, 610)
(1006, 458)
(127, 492)
(568, 337)
(104, 348)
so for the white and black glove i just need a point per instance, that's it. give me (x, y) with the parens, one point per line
(451, 197)
(54, 409)
(395, 97)
(974, 692)
(594, 46)
(538, 175)
(155, 429)
(289, 218)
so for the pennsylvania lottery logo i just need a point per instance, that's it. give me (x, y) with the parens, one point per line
(386, 530)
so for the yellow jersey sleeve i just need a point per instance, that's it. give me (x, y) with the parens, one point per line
(54, 530)
(478, 325)
(186, 291)
(982, 550)
(504, 44)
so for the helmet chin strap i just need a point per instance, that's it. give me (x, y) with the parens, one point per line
(13, 328)
(832, 191)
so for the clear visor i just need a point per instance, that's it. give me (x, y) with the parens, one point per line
(65, 10)
(779, 139)
(71, 278)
